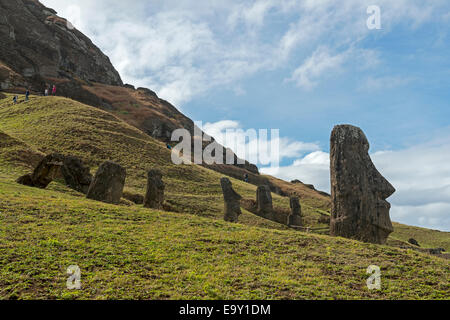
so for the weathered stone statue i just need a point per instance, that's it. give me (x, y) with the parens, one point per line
(44, 173)
(76, 175)
(232, 201)
(264, 202)
(154, 197)
(108, 183)
(295, 218)
(358, 191)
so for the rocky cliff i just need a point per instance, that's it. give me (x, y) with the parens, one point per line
(39, 49)
(36, 44)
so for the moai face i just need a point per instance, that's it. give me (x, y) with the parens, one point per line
(359, 192)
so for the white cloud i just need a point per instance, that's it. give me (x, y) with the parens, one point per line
(321, 63)
(182, 49)
(247, 144)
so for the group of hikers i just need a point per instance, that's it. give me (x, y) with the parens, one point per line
(47, 91)
(52, 89)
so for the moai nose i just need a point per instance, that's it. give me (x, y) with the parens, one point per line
(382, 186)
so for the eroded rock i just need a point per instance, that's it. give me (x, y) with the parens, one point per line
(154, 197)
(108, 183)
(295, 218)
(359, 192)
(232, 201)
(76, 175)
(45, 172)
(414, 242)
(264, 202)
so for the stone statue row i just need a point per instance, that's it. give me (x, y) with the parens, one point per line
(107, 185)
(358, 191)
(232, 208)
(359, 208)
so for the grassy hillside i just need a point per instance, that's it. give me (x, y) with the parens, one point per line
(53, 124)
(134, 253)
(427, 238)
(130, 252)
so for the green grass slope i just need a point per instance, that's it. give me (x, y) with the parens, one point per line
(129, 252)
(134, 253)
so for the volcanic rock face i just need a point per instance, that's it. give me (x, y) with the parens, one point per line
(264, 202)
(35, 43)
(232, 201)
(38, 49)
(359, 192)
(108, 183)
(295, 218)
(44, 173)
(76, 175)
(154, 198)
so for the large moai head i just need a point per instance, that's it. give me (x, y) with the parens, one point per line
(358, 191)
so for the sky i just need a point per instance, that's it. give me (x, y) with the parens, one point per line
(300, 66)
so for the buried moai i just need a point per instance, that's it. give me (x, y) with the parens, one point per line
(232, 199)
(154, 197)
(44, 173)
(264, 202)
(76, 175)
(107, 185)
(295, 218)
(359, 208)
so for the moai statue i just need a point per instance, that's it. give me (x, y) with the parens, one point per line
(232, 201)
(358, 191)
(295, 218)
(76, 174)
(154, 197)
(264, 202)
(45, 172)
(107, 185)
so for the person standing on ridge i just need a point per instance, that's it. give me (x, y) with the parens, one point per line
(246, 177)
(54, 90)
(27, 95)
(15, 99)
(46, 92)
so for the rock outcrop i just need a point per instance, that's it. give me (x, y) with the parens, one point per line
(232, 209)
(37, 44)
(76, 175)
(108, 183)
(45, 172)
(264, 202)
(295, 218)
(359, 192)
(154, 197)
(413, 242)
(39, 48)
